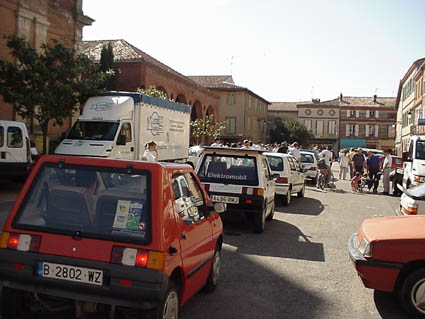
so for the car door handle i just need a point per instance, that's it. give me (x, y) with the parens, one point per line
(172, 250)
(131, 149)
(184, 236)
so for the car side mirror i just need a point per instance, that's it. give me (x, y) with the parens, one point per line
(405, 157)
(121, 140)
(275, 176)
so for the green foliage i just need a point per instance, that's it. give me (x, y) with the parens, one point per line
(107, 66)
(48, 85)
(290, 131)
(153, 91)
(206, 127)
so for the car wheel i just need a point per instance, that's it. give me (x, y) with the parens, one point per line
(286, 199)
(301, 192)
(214, 272)
(314, 180)
(413, 294)
(14, 304)
(270, 217)
(169, 306)
(259, 220)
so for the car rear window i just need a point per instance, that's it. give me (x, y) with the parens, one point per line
(228, 169)
(307, 158)
(275, 162)
(14, 137)
(102, 203)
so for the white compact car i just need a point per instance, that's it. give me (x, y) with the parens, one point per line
(291, 178)
(242, 179)
(194, 153)
(309, 163)
(412, 201)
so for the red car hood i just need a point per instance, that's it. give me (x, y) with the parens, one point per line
(391, 228)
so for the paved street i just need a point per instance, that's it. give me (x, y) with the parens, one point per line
(299, 267)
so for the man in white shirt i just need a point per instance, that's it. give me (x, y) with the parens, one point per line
(327, 155)
(293, 150)
(386, 169)
(151, 152)
(217, 143)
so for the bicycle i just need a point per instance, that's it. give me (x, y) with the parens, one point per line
(322, 178)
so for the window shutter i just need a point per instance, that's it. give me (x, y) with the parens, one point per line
(367, 114)
(356, 132)
(377, 114)
(357, 113)
(367, 129)
(347, 130)
(376, 130)
(348, 113)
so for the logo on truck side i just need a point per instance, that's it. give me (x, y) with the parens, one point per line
(101, 106)
(155, 124)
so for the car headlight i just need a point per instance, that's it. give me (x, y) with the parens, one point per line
(365, 248)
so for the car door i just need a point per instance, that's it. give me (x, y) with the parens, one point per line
(269, 183)
(125, 151)
(197, 246)
(299, 177)
(292, 178)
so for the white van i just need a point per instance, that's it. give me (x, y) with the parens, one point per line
(414, 162)
(15, 149)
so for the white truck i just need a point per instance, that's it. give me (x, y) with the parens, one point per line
(414, 162)
(119, 124)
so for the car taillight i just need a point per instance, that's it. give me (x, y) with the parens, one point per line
(282, 180)
(21, 242)
(252, 191)
(137, 257)
(412, 210)
(313, 168)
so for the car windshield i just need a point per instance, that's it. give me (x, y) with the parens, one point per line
(275, 162)
(228, 169)
(307, 158)
(100, 203)
(420, 150)
(93, 130)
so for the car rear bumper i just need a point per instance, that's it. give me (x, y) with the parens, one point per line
(282, 189)
(247, 203)
(399, 213)
(14, 169)
(379, 275)
(146, 291)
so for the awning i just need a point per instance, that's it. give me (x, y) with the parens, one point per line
(352, 142)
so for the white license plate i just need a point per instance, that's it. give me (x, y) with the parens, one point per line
(225, 199)
(70, 273)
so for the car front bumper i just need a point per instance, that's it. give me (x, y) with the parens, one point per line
(379, 275)
(146, 292)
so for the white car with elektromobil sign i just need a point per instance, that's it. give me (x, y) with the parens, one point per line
(291, 178)
(242, 179)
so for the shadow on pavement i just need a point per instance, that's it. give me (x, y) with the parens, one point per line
(249, 289)
(388, 306)
(279, 239)
(302, 206)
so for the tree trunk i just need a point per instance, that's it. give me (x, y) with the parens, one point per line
(44, 129)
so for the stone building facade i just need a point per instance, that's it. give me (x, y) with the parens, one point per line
(40, 22)
(140, 70)
(243, 111)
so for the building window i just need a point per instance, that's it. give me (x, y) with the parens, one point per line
(408, 88)
(249, 123)
(320, 128)
(254, 122)
(332, 127)
(391, 131)
(307, 124)
(350, 129)
(231, 98)
(230, 125)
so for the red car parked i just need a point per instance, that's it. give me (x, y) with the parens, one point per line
(388, 254)
(101, 233)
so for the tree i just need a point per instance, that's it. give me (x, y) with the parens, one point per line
(107, 66)
(153, 91)
(207, 128)
(290, 131)
(47, 85)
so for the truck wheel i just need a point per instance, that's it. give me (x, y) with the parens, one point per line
(259, 221)
(214, 272)
(14, 304)
(286, 199)
(301, 192)
(413, 294)
(270, 217)
(169, 306)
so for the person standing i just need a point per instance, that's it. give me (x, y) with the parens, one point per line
(386, 168)
(284, 148)
(343, 164)
(151, 152)
(294, 151)
(372, 165)
(217, 142)
(358, 161)
(350, 161)
(327, 155)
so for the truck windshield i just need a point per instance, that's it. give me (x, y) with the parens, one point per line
(420, 150)
(103, 203)
(225, 169)
(93, 130)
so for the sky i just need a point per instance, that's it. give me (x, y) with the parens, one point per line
(283, 50)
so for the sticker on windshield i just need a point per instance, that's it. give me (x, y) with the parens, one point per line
(121, 214)
(128, 215)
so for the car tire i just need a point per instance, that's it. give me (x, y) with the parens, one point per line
(314, 180)
(270, 216)
(13, 304)
(413, 288)
(301, 192)
(169, 306)
(286, 199)
(259, 221)
(214, 272)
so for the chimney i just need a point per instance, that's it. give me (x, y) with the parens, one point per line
(340, 97)
(374, 98)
